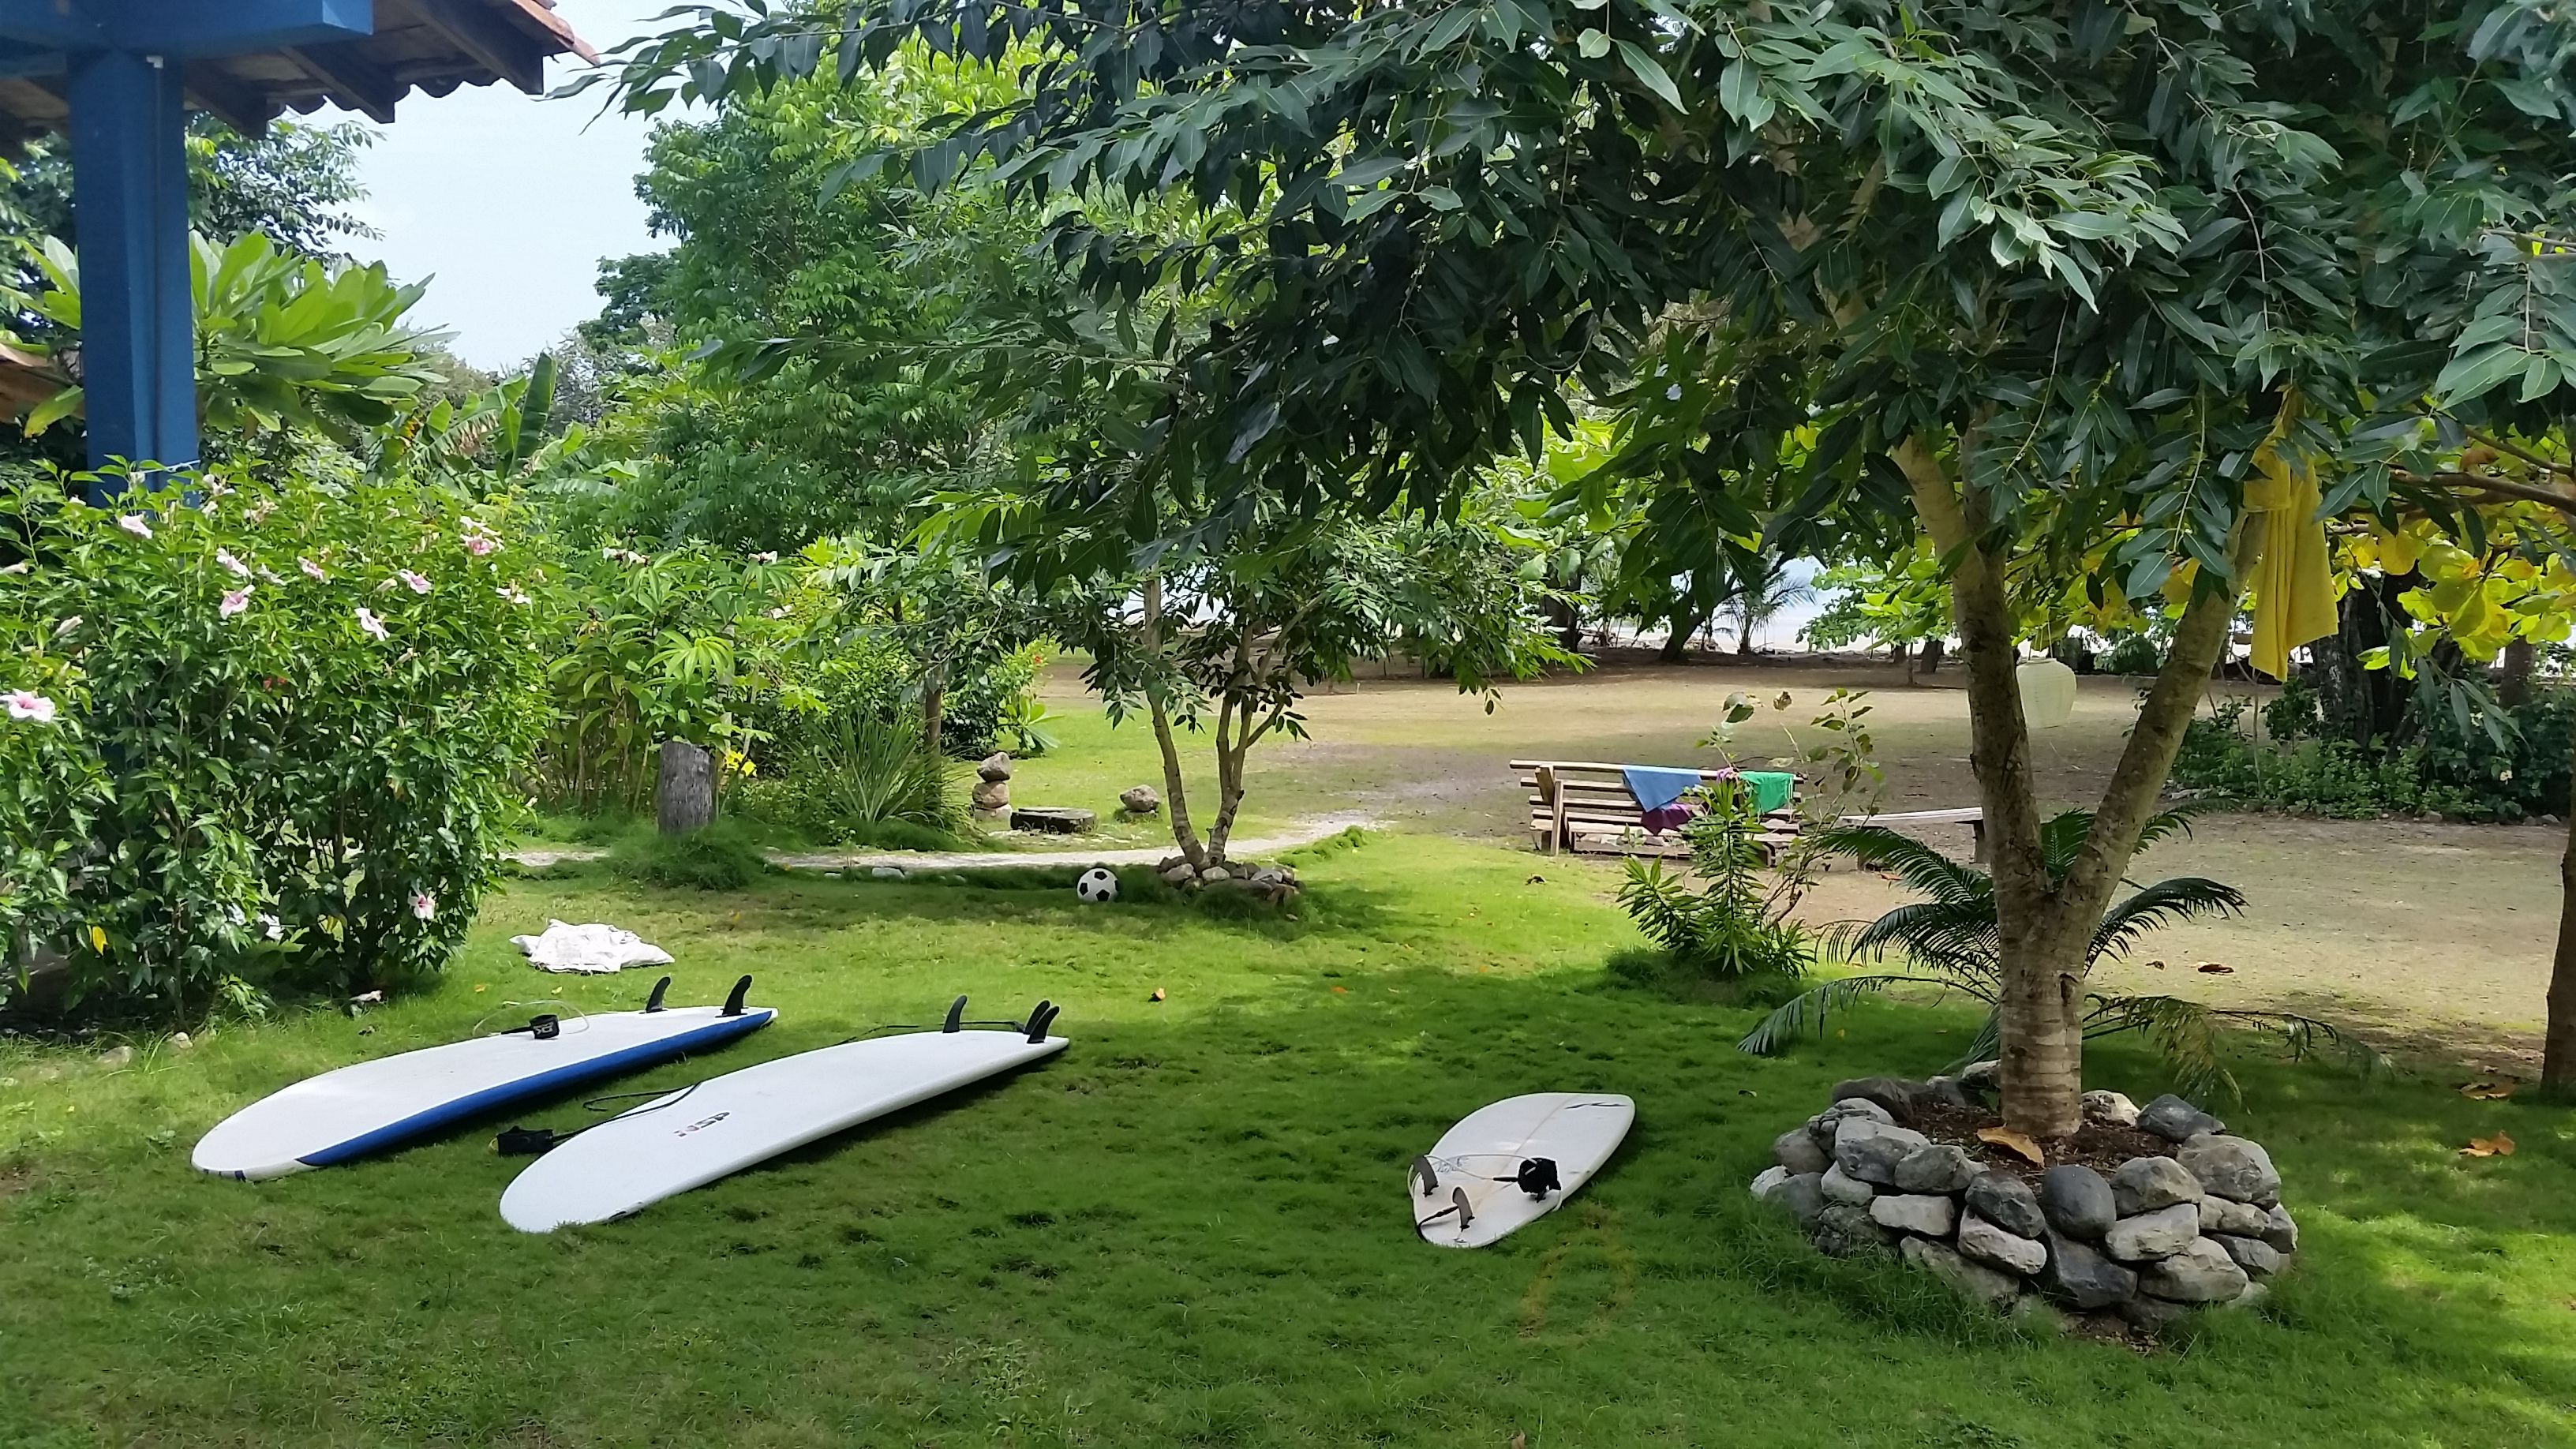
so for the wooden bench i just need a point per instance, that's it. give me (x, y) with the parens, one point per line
(1973, 817)
(1585, 806)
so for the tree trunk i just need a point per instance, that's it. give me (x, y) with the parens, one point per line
(1175, 796)
(2514, 690)
(2046, 926)
(685, 795)
(1933, 649)
(1568, 622)
(934, 704)
(2558, 1042)
(1677, 644)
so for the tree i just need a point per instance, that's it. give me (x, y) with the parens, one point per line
(295, 185)
(948, 613)
(2063, 287)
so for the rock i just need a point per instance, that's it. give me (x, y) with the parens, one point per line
(2110, 1109)
(2251, 1254)
(1938, 1167)
(1840, 1187)
(1870, 1150)
(1895, 1094)
(1975, 1280)
(994, 768)
(1167, 862)
(1768, 1180)
(2151, 1315)
(1822, 1125)
(2008, 1203)
(2175, 1120)
(2252, 1297)
(1797, 1151)
(886, 872)
(1210, 875)
(2231, 1167)
(1981, 1076)
(2078, 1202)
(180, 1041)
(2144, 1184)
(1948, 1091)
(116, 1057)
(2218, 1215)
(1142, 800)
(2153, 1235)
(2201, 1272)
(992, 795)
(1990, 1244)
(2280, 1230)
(1929, 1213)
(2078, 1273)
(1053, 819)
(1180, 875)
(1802, 1193)
(1842, 1230)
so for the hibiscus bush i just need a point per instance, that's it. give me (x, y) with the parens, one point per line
(259, 731)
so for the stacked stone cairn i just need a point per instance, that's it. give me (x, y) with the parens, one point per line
(993, 787)
(2199, 1223)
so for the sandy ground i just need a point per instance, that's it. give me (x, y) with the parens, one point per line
(2438, 935)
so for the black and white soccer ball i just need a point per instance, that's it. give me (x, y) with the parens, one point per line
(1096, 887)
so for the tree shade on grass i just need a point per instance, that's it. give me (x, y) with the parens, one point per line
(1190, 1228)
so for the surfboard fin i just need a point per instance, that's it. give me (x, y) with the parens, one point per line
(1458, 1205)
(733, 1003)
(1041, 1019)
(653, 1003)
(1426, 1179)
(956, 1015)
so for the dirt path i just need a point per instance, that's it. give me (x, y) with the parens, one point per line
(2438, 933)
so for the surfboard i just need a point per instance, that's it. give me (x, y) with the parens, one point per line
(724, 1124)
(1506, 1166)
(369, 1106)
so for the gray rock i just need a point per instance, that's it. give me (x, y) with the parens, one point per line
(1823, 1125)
(2151, 1315)
(2175, 1120)
(886, 872)
(1210, 875)
(1981, 1076)
(1948, 1091)
(2201, 1272)
(2078, 1202)
(992, 795)
(116, 1057)
(2110, 1109)
(2231, 1167)
(1896, 1094)
(1802, 1194)
(1797, 1151)
(2280, 1230)
(2153, 1235)
(1839, 1186)
(2144, 1184)
(2218, 1215)
(2078, 1273)
(2008, 1203)
(1938, 1167)
(1768, 1180)
(1931, 1214)
(1842, 1230)
(1988, 1243)
(1975, 1280)
(180, 1041)
(1142, 800)
(2251, 1254)
(2252, 1297)
(1870, 1150)
(995, 767)
(1180, 875)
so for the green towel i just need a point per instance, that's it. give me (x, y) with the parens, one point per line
(1770, 788)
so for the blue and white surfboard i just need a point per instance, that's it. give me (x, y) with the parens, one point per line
(371, 1106)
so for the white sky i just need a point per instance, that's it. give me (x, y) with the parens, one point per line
(507, 202)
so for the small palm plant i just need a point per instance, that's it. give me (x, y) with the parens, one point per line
(1955, 942)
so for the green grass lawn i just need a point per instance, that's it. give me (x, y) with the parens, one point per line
(1191, 1228)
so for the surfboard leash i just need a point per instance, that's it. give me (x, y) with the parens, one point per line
(531, 1141)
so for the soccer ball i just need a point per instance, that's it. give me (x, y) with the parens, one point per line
(1096, 886)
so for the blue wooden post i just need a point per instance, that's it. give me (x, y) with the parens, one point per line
(138, 320)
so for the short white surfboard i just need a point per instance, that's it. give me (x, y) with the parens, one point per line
(370, 1106)
(1469, 1190)
(724, 1124)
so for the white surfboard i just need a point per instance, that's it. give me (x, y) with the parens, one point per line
(724, 1124)
(373, 1105)
(1474, 1195)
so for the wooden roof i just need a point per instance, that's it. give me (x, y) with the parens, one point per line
(428, 45)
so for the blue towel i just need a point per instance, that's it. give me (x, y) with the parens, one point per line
(1655, 787)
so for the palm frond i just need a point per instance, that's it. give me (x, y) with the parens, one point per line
(2061, 840)
(1910, 860)
(1662, 908)
(2167, 902)
(2176, 821)
(1810, 1008)
(1954, 936)
(2191, 1036)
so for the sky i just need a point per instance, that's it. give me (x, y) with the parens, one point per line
(507, 203)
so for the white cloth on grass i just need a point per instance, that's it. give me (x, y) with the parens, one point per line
(592, 950)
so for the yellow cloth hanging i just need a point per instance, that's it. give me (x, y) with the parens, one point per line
(2294, 597)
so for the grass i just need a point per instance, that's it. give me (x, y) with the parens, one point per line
(1190, 1228)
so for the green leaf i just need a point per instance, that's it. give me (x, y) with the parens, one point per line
(2479, 373)
(1592, 45)
(54, 409)
(1651, 71)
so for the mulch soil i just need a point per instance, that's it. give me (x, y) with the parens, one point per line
(2093, 1145)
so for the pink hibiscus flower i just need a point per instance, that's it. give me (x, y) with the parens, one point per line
(26, 704)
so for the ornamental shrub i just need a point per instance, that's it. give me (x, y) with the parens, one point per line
(286, 717)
